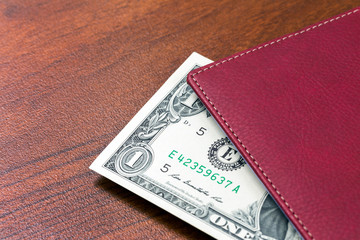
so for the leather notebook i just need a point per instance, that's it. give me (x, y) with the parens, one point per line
(291, 107)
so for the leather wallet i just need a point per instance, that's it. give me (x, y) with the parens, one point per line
(291, 107)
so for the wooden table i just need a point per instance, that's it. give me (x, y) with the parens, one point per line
(73, 73)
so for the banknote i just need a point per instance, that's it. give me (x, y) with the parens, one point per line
(174, 154)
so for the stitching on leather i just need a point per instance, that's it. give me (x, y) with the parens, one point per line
(240, 55)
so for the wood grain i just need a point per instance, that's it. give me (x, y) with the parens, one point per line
(73, 73)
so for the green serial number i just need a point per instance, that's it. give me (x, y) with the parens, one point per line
(201, 169)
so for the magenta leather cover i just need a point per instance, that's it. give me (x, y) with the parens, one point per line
(291, 107)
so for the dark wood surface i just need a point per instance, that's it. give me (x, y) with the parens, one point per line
(73, 73)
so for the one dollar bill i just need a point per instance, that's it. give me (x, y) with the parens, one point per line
(173, 154)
